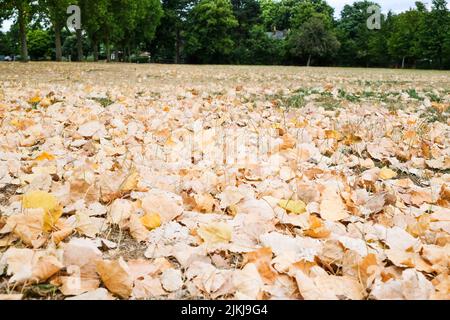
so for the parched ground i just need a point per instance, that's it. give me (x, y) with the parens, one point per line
(223, 182)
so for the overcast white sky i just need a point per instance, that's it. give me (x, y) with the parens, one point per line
(386, 5)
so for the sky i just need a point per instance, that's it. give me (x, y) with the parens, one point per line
(386, 5)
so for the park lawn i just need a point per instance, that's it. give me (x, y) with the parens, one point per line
(223, 182)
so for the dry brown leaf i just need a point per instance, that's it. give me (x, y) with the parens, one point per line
(262, 258)
(116, 277)
(137, 229)
(332, 207)
(386, 174)
(317, 229)
(120, 211)
(168, 205)
(84, 254)
(328, 287)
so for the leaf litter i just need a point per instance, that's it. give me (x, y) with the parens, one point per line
(217, 187)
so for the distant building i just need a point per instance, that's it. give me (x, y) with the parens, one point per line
(277, 35)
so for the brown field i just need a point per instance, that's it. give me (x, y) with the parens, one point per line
(223, 182)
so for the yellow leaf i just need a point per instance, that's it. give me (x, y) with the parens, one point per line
(300, 124)
(351, 139)
(22, 124)
(151, 221)
(293, 206)
(131, 181)
(45, 156)
(215, 232)
(35, 99)
(170, 142)
(277, 125)
(45, 201)
(387, 173)
(332, 134)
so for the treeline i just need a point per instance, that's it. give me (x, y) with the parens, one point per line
(273, 32)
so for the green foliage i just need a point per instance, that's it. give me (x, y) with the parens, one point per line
(354, 35)
(6, 44)
(39, 44)
(313, 39)
(404, 39)
(236, 31)
(305, 10)
(208, 38)
(259, 49)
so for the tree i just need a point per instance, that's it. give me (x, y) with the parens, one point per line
(354, 34)
(24, 10)
(313, 39)
(261, 49)
(306, 9)
(208, 37)
(435, 32)
(148, 17)
(378, 46)
(276, 15)
(56, 13)
(93, 15)
(247, 14)
(169, 34)
(6, 44)
(39, 44)
(403, 42)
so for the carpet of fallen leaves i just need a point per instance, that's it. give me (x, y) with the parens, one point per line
(214, 182)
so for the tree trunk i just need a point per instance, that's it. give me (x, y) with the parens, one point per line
(58, 48)
(23, 35)
(79, 45)
(95, 45)
(309, 61)
(403, 62)
(108, 49)
(177, 46)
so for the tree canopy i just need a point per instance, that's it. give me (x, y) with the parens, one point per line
(231, 31)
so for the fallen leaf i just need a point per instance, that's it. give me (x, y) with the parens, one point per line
(120, 211)
(168, 205)
(47, 202)
(215, 232)
(328, 287)
(116, 277)
(137, 228)
(151, 221)
(262, 259)
(411, 286)
(317, 229)
(171, 279)
(248, 283)
(293, 206)
(332, 208)
(386, 174)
